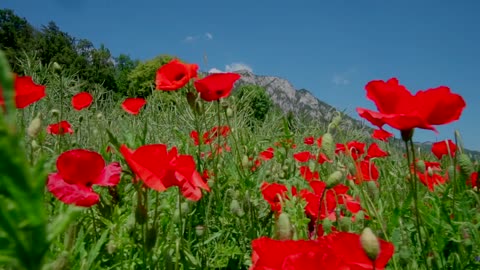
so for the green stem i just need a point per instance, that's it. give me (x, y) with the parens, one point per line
(414, 189)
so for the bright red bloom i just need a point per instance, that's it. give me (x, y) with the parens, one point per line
(175, 75)
(77, 171)
(430, 179)
(216, 86)
(308, 140)
(473, 180)
(340, 148)
(26, 92)
(302, 156)
(356, 149)
(322, 158)
(448, 148)
(366, 170)
(329, 199)
(274, 193)
(160, 169)
(374, 151)
(381, 135)
(82, 100)
(336, 251)
(398, 108)
(60, 128)
(267, 154)
(133, 105)
(308, 175)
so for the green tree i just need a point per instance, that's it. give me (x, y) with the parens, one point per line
(123, 66)
(16, 36)
(255, 99)
(142, 77)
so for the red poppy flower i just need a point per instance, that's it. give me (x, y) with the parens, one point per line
(398, 108)
(366, 170)
(473, 180)
(356, 149)
(267, 154)
(374, 151)
(160, 169)
(216, 86)
(336, 251)
(302, 156)
(274, 193)
(133, 105)
(26, 92)
(175, 75)
(308, 140)
(430, 179)
(77, 171)
(322, 158)
(308, 175)
(81, 101)
(381, 135)
(448, 148)
(329, 199)
(60, 128)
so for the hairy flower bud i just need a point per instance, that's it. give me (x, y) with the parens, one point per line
(334, 179)
(370, 243)
(465, 163)
(284, 230)
(35, 127)
(420, 165)
(328, 145)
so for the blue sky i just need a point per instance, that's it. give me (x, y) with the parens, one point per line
(332, 48)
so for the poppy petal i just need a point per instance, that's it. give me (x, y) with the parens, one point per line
(133, 105)
(110, 175)
(82, 100)
(71, 193)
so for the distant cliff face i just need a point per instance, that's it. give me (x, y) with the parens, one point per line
(299, 102)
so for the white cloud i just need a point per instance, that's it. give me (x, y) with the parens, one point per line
(215, 70)
(209, 36)
(189, 39)
(340, 80)
(238, 66)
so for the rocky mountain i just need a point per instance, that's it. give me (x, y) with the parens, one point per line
(300, 102)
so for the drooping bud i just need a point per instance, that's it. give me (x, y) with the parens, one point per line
(344, 223)
(284, 229)
(35, 127)
(372, 189)
(370, 243)
(328, 146)
(420, 165)
(466, 164)
(245, 161)
(334, 179)
(236, 209)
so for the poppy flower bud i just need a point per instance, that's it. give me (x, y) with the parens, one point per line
(327, 144)
(430, 171)
(99, 115)
(229, 112)
(35, 127)
(35, 145)
(420, 164)
(450, 171)
(334, 178)
(245, 162)
(200, 230)
(55, 112)
(370, 243)
(56, 66)
(335, 122)
(111, 247)
(466, 164)
(344, 223)
(284, 230)
(236, 209)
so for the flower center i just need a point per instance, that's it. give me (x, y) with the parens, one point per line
(179, 76)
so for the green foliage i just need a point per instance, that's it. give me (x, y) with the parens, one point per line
(142, 77)
(254, 100)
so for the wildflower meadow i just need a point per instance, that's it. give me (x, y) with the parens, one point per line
(187, 178)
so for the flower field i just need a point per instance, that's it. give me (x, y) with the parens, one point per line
(187, 179)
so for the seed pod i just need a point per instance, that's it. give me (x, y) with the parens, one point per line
(245, 161)
(284, 230)
(200, 230)
(370, 243)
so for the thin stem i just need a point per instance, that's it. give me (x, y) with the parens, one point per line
(413, 183)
